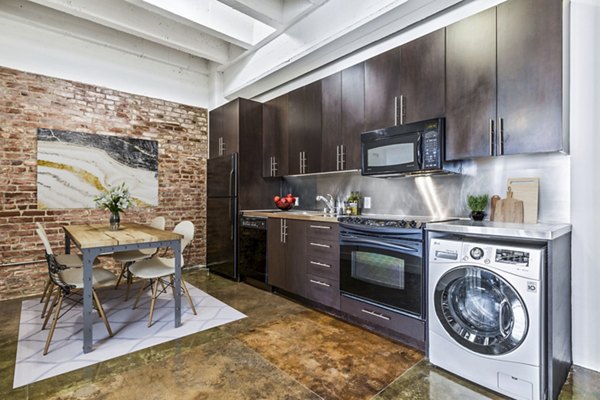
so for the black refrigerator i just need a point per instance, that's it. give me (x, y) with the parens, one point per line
(222, 208)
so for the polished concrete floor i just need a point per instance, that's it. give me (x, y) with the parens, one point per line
(281, 351)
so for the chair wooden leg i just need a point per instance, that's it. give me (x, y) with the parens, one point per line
(48, 297)
(56, 316)
(137, 299)
(48, 284)
(57, 293)
(188, 296)
(154, 296)
(101, 312)
(129, 281)
(123, 269)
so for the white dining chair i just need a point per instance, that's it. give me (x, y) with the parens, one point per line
(68, 282)
(126, 258)
(69, 260)
(161, 270)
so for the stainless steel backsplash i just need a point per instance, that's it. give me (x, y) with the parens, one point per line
(445, 196)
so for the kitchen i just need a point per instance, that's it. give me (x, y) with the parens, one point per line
(437, 196)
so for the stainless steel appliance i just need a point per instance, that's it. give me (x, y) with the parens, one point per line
(381, 265)
(415, 148)
(486, 313)
(221, 215)
(252, 255)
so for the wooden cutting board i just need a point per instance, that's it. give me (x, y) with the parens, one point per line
(509, 209)
(527, 190)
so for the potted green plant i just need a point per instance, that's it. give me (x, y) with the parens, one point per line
(477, 204)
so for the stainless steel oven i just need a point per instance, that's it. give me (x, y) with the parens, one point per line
(383, 265)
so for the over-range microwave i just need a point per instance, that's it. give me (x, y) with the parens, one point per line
(415, 148)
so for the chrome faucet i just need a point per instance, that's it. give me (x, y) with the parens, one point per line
(329, 202)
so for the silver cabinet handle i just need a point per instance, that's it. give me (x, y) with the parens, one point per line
(281, 231)
(342, 157)
(320, 264)
(337, 158)
(402, 109)
(375, 314)
(501, 132)
(320, 227)
(491, 129)
(396, 110)
(320, 245)
(320, 283)
(221, 148)
(285, 231)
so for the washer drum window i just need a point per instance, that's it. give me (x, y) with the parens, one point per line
(481, 310)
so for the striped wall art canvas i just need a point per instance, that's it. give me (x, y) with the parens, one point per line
(74, 167)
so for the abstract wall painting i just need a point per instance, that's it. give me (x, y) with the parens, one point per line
(74, 167)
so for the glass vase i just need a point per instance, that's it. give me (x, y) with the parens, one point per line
(115, 220)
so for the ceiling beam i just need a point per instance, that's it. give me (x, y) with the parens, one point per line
(268, 12)
(64, 24)
(128, 18)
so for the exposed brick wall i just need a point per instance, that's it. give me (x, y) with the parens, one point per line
(29, 101)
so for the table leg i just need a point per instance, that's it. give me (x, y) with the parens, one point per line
(88, 261)
(177, 253)
(67, 244)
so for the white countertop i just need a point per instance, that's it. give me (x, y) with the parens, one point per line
(492, 228)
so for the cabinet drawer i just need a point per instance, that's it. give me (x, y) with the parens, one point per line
(323, 231)
(411, 327)
(323, 267)
(323, 291)
(322, 249)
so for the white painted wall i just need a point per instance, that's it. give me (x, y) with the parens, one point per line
(585, 180)
(37, 49)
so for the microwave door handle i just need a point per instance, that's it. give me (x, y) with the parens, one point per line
(379, 244)
(419, 142)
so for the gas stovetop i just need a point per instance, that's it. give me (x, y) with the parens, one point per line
(390, 221)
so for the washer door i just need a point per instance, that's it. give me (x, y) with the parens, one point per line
(481, 310)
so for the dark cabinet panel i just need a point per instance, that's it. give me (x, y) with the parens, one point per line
(304, 129)
(382, 89)
(471, 86)
(295, 254)
(276, 253)
(423, 78)
(275, 137)
(286, 252)
(215, 129)
(224, 129)
(353, 114)
(331, 124)
(529, 76)
(231, 126)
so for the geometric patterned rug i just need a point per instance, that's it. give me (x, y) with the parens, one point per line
(130, 329)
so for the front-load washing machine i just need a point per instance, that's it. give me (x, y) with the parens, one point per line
(486, 313)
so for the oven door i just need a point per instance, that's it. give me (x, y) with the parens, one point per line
(387, 273)
(384, 154)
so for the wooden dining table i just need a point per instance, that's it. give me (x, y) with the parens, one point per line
(94, 240)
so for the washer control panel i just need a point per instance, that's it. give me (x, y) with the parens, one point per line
(509, 257)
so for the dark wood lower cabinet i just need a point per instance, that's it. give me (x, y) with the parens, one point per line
(286, 252)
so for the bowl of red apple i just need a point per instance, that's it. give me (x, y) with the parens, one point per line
(284, 203)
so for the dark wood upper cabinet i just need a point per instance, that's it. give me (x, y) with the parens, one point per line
(382, 89)
(423, 78)
(353, 115)
(224, 129)
(529, 76)
(504, 81)
(275, 137)
(471, 86)
(304, 129)
(343, 102)
(331, 123)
